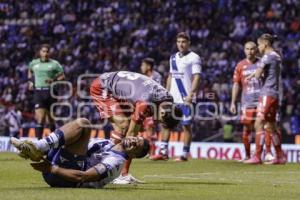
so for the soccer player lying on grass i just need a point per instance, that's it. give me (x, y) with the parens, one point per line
(69, 159)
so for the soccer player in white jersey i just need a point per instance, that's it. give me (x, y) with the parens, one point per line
(72, 160)
(183, 83)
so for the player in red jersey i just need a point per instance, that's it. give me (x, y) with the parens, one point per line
(269, 72)
(250, 93)
(126, 99)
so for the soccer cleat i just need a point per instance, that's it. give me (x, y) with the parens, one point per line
(125, 180)
(243, 160)
(269, 157)
(181, 159)
(254, 161)
(159, 157)
(277, 161)
(27, 149)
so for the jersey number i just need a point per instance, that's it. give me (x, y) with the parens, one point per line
(128, 75)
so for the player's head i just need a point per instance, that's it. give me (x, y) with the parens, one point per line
(44, 52)
(169, 115)
(265, 41)
(183, 42)
(250, 50)
(135, 147)
(147, 65)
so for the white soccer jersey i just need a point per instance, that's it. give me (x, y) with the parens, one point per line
(102, 154)
(182, 69)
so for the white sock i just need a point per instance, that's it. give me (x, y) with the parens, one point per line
(51, 141)
(164, 148)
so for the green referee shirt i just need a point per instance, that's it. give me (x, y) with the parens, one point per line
(44, 70)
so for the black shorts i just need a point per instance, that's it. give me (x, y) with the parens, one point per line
(43, 99)
(67, 160)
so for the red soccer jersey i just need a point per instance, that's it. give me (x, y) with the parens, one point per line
(251, 88)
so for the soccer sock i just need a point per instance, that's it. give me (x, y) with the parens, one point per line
(186, 151)
(268, 141)
(164, 148)
(125, 169)
(39, 129)
(246, 141)
(259, 141)
(54, 140)
(152, 146)
(276, 139)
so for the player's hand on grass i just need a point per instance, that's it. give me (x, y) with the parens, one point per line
(44, 166)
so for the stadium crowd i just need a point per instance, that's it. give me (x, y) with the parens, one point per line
(98, 36)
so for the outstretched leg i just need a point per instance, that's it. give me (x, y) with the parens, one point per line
(73, 135)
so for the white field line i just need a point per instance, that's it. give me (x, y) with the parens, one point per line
(205, 176)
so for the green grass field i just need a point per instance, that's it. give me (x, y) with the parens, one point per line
(197, 179)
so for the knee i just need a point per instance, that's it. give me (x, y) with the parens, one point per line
(258, 125)
(83, 122)
(270, 127)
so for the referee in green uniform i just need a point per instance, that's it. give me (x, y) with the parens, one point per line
(41, 73)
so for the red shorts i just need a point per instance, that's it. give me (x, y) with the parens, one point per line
(106, 104)
(248, 116)
(267, 108)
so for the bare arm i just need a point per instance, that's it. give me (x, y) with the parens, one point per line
(133, 129)
(59, 77)
(30, 76)
(68, 174)
(195, 88)
(234, 94)
(76, 175)
(168, 84)
(258, 73)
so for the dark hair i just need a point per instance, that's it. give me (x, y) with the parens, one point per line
(45, 46)
(168, 120)
(149, 61)
(268, 38)
(183, 35)
(144, 151)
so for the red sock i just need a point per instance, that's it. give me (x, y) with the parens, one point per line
(246, 141)
(152, 147)
(276, 139)
(259, 141)
(268, 141)
(125, 169)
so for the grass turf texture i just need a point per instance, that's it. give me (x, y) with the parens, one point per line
(196, 179)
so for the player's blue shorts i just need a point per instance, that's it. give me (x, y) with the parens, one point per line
(187, 113)
(67, 160)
